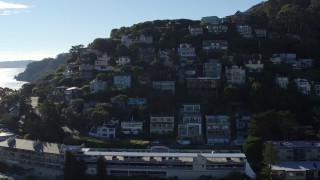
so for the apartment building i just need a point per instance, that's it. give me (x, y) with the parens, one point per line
(164, 86)
(297, 160)
(236, 75)
(42, 158)
(161, 123)
(190, 125)
(131, 127)
(185, 164)
(218, 128)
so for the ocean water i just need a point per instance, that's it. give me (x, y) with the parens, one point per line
(7, 78)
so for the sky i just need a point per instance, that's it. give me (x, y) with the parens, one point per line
(37, 29)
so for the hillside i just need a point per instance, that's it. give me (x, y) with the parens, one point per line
(37, 69)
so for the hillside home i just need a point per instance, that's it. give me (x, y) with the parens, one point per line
(72, 93)
(86, 71)
(306, 63)
(131, 127)
(146, 54)
(138, 102)
(260, 33)
(164, 86)
(122, 81)
(212, 20)
(303, 85)
(161, 123)
(195, 29)
(119, 102)
(283, 58)
(245, 31)
(123, 60)
(217, 29)
(96, 86)
(212, 69)
(190, 125)
(215, 45)
(186, 52)
(127, 40)
(254, 66)
(243, 120)
(236, 75)
(102, 61)
(218, 128)
(107, 130)
(282, 82)
(203, 85)
(144, 79)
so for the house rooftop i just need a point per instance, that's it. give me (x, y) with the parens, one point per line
(36, 146)
(296, 144)
(93, 152)
(296, 165)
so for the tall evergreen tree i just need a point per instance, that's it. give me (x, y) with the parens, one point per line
(101, 168)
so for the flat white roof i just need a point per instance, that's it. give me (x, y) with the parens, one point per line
(166, 154)
(296, 165)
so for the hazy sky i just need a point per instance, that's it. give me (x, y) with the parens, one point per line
(36, 29)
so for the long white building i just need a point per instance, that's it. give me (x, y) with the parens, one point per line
(172, 163)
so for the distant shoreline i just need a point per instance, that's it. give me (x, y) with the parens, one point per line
(15, 64)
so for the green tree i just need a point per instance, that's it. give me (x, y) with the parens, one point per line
(173, 57)
(75, 53)
(253, 147)
(270, 157)
(102, 77)
(73, 168)
(272, 125)
(101, 168)
(51, 122)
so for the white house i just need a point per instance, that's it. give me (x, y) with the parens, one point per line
(107, 130)
(186, 52)
(102, 61)
(254, 66)
(215, 45)
(217, 29)
(196, 29)
(236, 75)
(122, 81)
(123, 60)
(131, 127)
(282, 82)
(96, 85)
(303, 85)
